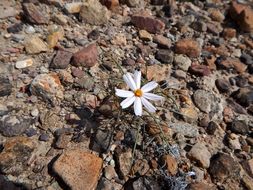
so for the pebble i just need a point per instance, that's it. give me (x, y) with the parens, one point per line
(232, 63)
(185, 129)
(30, 30)
(171, 164)
(86, 57)
(199, 70)
(5, 87)
(124, 161)
(61, 60)
(24, 63)
(212, 127)
(110, 172)
(204, 100)
(200, 154)
(162, 41)
(78, 169)
(44, 137)
(144, 35)
(239, 127)
(165, 56)
(15, 28)
(229, 33)
(148, 23)
(245, 96)
(223, 85)
(35, 112)
(182, 62)
(34, 45)
(188, 47)
(35, 14)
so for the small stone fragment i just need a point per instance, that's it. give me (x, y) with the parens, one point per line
(78, 169)
(23, 64)
(229, 33)
(73, 7)
(204, 100)
(5, 87)
(124, 159)
(182, 62)
(244, 96)
(144, 35)
(35, 14)
(223, 85)
(165, 56)
(239, 127)
(86, 57)
(162, 41)
(157, 72)
(171, 164)
(232, 63)
(200, 154)
(34, 45)
(216, 15)
(61, 60)
(188, 47)
(185, 129)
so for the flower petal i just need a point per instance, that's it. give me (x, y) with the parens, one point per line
(129, 81)
(138, 106)
(149, 86)
(137, 78)
(127, 102)
(124, 93)
(151, 96)
(148, 105)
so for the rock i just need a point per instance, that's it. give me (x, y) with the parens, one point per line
(182, 62)
(86, 57)
(105, 184)
(199, 70)
(204, 100)
(56, 33)
(109, 107)
(62, 141)
(239, 127)
(60, 19)
(224, 166)
(35, 14)
(101, 141)
(144, 35)
(94, 34)
(78, 169)
(15, 156)
(44, 137)
(249, 167)
(144, 183)
(223, 85)
(124, 160)
(15, 28)
(23, 64)
(180, 74)
(61, 60)
(211, 128)
(171, 164)
(148, 23)
(199, 26)
(85, 83)
(133, 3)
(7, 9)
(12, 125)
(140, 167)
(48, 87)
(165, 56)
(200, 154)
(162, 41)
(128, 61)
(201, 185)
(5, 87)
(34, 45)
(157, 72)
(110, 172)
(189, 114)
(184, 129)
(214, 27)
(110, 4)
(216, 15)
(234, 142)
(229, 33)
(73, 7)
(245, 96)
(188, 47)
(232, 63)
(119, 39)
(92, 12)
(247, 182)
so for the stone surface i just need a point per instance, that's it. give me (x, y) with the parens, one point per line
(216, 15)
(144, 35)
(223, 166)
(184, 129)
(162, 41)
(157, 72)
(204, 100)
(182, 62)
(200, 154)
(239, 127)
(48, 87)
(34, 14)
(15, 155)
(171, 164)
(92, 12)
(188, 47)
(78, 169)
(12, 125)
(61, 60)
(124, 159)
(24, 63)
(201, 185)
(35, 45)
(223, 85)
(86, 57)
(5, 87)
(245, 96)
(199, 70)
(247, 182)
(73, 7)
(148, 23)
(232, 63)
(165, 56)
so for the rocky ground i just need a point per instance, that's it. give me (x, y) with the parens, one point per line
(61, 126)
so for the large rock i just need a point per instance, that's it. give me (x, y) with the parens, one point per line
(79, 169)
(86, 57)
(147, 22)
(200, 154)
(188, 47)
(93, 12)
(15, 156)
(48, 87)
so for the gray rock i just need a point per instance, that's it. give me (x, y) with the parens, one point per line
(12, 125)
(200, 154)
(239, 127)
(5, 87)
(205, 100)
(182, 62)
(85, 83)
(184, 129)
(102, 140)
(245, 96)
(165, 56)
(61, 60)
(105, 184)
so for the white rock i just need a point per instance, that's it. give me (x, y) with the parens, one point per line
(24, 63)
(73, 7)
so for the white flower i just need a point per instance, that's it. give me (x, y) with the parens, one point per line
(139, 95)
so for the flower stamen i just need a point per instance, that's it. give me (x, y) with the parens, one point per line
(138, 92)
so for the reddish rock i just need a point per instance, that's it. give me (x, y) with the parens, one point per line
(148, 23)
(229, 33)
(162, 41)
(171, 164)
(61, 60)
(189, 47)
(79, 169)
(232, 63)
(110, 4)
(86, 57)
(199, 70)
(216, 15)
(34, 14)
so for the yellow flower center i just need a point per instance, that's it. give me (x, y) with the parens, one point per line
(138, 93)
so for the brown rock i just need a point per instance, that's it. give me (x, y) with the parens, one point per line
(247, 182)
(228, 115)
(232, 63)
(86, 57)
(140, 167)
(157, 72)
(61, 60)
(210, 62)
(216, 15)
(78, 169)
(35, 14)
(110, 4)
(124, 160)
(199, 70)
(148, 23)
(162, 41)
(188, 47)
(171, 164)
(34, 45)
(201, 186)
(229, 33)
